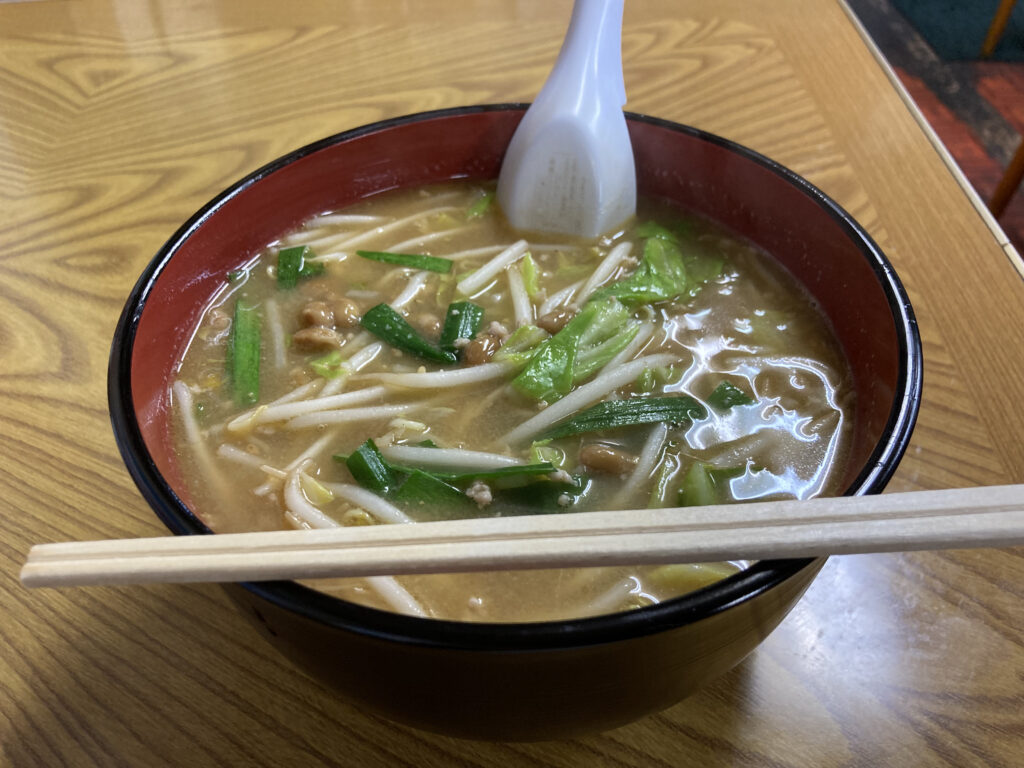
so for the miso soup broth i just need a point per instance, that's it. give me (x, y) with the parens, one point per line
(477, 373)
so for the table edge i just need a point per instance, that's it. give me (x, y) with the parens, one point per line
(989, 220)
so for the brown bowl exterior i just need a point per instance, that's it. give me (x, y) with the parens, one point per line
(525, 695)
(521, 681)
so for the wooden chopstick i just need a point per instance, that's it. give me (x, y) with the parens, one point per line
(948, 519)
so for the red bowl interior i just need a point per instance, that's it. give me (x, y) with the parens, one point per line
(759, 200)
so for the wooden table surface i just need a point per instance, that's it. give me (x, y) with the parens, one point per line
(118, 119)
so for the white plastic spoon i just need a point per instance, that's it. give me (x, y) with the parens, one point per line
(569, 168)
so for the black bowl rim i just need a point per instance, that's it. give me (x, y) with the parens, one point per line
(501, 637)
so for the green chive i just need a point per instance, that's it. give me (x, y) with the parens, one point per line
(726, 395)
(382, 474)
(292, 265)
(611, 414)
(462, 321)
(521, 470)
(424, 488)
(244, 354)
(370, 469)
(389, 326)
(411, 260)
(545, 497)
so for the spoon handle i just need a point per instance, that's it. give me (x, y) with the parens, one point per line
(589, 64)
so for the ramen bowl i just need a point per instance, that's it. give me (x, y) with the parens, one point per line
(541, 680)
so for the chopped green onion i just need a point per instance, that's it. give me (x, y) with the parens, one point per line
(312, 269)
(374, 471)
(519, 470)
(547, 497)
(479, 208)
(243, 356)
(464, 478)
(462, 321)
(411, 260)
(329, 366)
(413, 485)
(438, 488)
(611, 414)
(236, 275)
(292, 266)
(726, 395)
(370, 469)
(389, 326)
(424, 488)
(428, 443)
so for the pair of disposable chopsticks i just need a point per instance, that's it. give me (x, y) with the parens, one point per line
(949, 519)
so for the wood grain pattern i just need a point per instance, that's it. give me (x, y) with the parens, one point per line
(119, 119)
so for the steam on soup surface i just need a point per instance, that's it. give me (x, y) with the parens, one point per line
(670, 363)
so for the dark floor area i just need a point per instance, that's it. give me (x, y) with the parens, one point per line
(976, 107)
